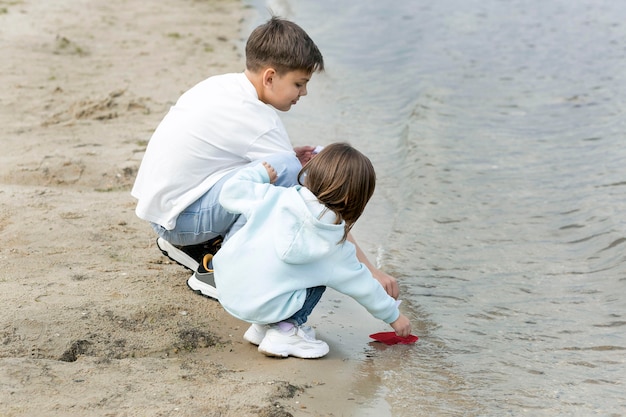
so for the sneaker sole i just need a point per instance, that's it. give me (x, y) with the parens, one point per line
(176, 255)
(201, 288)
(283, 350)
(283, 353)
(274, 354)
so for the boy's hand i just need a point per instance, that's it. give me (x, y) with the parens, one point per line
(389, 283)
(304, 153)
(271, 172)
(402, 326)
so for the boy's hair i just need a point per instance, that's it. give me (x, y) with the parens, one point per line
(343, 179)
(284, 46)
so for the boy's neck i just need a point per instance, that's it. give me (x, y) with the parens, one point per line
(257, 81)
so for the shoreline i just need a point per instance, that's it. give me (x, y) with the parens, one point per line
(96, 321)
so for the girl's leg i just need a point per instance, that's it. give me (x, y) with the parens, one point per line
(283, 339)
(313, 296)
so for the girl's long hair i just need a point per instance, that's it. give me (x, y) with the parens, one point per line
(343, 179)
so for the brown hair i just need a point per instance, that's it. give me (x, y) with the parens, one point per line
(343, 179)
(283, 45)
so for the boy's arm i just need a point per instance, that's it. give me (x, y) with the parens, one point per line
(388, 282)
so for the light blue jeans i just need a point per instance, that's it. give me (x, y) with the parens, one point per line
(206, 218)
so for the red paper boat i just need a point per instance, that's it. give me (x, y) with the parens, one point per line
(390, 338)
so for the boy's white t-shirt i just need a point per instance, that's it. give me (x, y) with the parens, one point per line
(216, 126)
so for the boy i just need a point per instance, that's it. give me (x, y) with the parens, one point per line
(219, 126)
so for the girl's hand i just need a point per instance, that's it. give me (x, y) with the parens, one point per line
(402, 326)
(271, 172)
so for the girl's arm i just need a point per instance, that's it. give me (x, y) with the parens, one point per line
(245, 187)
(352, 278)
(271, 172)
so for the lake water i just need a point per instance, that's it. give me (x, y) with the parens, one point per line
(498, 131)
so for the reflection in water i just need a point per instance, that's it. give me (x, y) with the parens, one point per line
(417, 381)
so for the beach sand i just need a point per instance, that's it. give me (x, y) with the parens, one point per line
(94, 320)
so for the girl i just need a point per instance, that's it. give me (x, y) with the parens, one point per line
(294, 244)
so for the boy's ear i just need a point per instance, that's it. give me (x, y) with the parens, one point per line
(268, 77)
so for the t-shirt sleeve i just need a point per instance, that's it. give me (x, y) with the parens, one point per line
(271, 142)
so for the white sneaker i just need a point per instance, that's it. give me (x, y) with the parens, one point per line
(256, 333)
(294, 342)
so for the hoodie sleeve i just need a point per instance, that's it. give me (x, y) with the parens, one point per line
(352, 278)
(246, 187)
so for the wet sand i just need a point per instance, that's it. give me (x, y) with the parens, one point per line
(95, 321)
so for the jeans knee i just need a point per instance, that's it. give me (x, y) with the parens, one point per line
(287, 168)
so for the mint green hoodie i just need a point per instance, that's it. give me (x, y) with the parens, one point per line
(288, 244)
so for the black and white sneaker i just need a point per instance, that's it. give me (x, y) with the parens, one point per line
(202, 281)
(189, 256)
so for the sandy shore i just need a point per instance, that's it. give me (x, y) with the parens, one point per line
(95, 321)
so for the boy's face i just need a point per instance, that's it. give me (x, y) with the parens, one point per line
(283, 91)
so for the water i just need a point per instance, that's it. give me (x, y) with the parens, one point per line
(497, 129)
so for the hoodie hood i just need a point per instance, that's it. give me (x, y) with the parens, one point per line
(307, 231)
